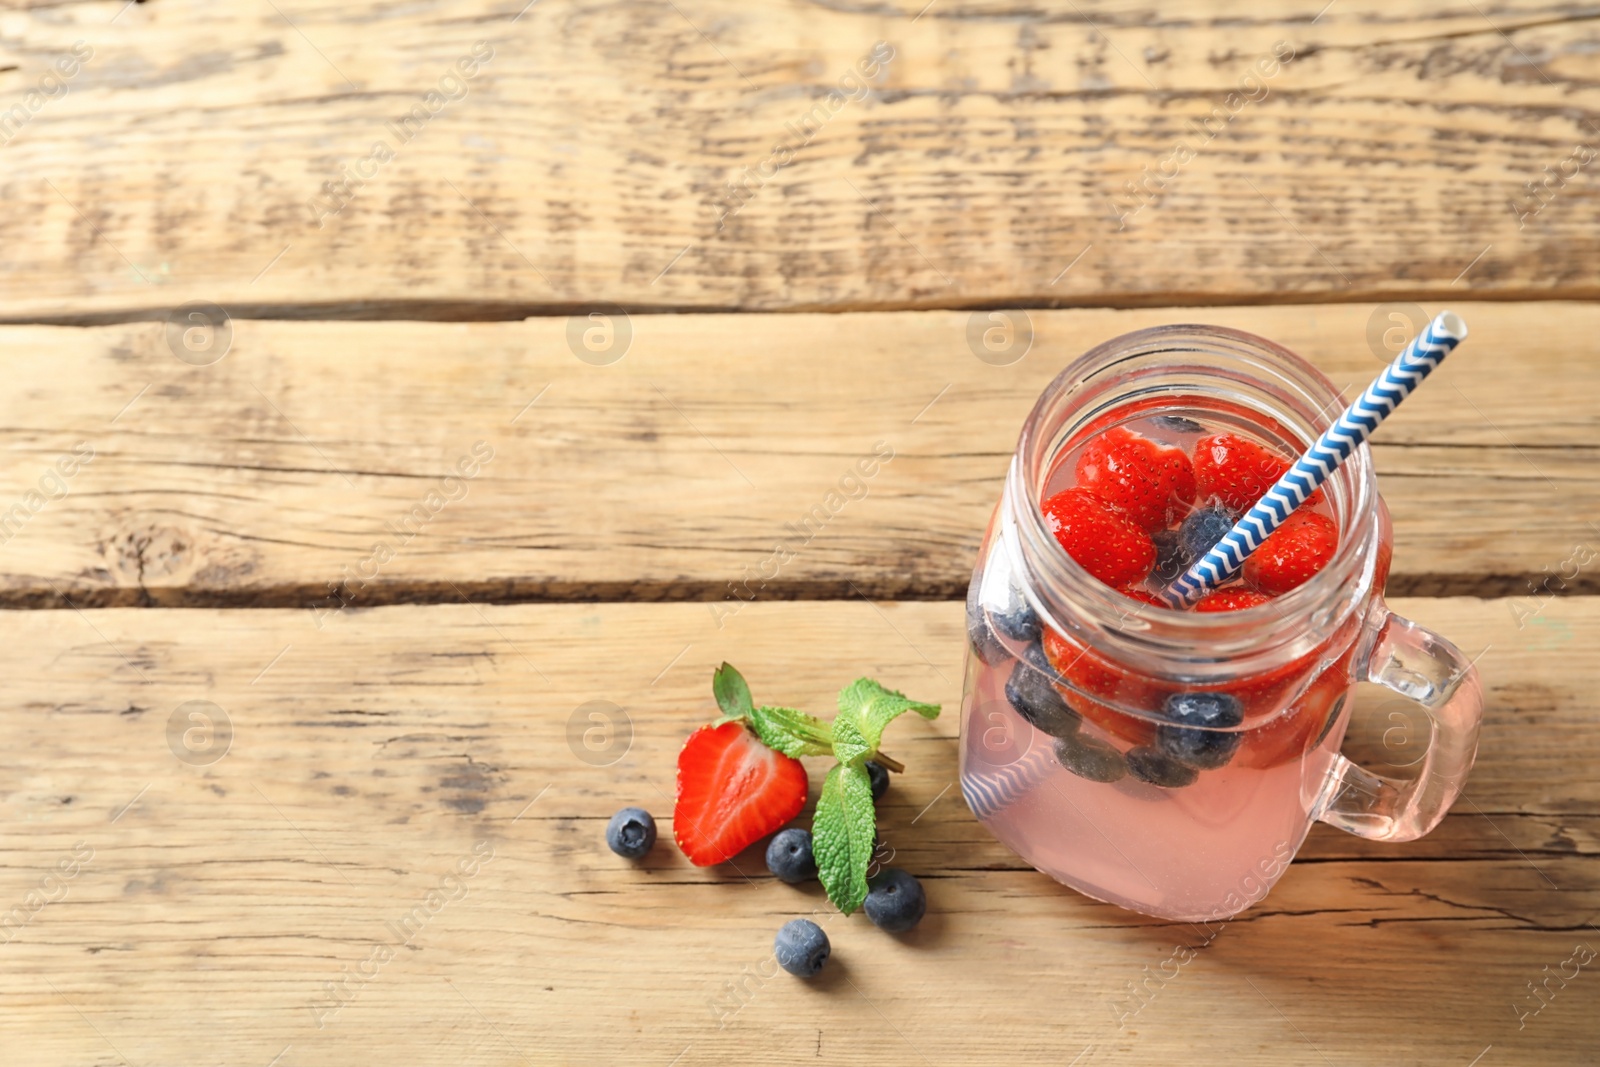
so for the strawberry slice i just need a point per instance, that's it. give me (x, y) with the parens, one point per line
(1104, 543)
(1230, 600)
(1299, 548)
(732, 791)
(1152, 485)
(1237, 471)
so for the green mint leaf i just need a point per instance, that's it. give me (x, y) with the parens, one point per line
(850, 744)
(842, 835)
(733, 695)
(794, 733)
(872, 707)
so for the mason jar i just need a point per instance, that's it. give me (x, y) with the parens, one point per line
(1068, 753)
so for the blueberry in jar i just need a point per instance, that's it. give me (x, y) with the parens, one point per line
(1031, 693)
(1197, 732)
(990, 649)
(1090, 758)
(1156, 767)
(1202, 530)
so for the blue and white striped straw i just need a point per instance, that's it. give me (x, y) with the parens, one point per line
(1425, 352)
(991, 792)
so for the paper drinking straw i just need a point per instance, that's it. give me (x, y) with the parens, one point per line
(1425, 352)
(992, 791)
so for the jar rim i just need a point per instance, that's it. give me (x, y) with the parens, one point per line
(1290, 392)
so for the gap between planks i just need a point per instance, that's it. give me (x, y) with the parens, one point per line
(499, 592)
(500, 311)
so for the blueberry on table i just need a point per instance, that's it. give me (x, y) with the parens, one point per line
(1197, 733)
(801, 947)
(1030, 692)
(1091, 758)
(878, 775)
(1203, 529)
(1154, 766)
(895, 901)
(789, 856)
(631, 833)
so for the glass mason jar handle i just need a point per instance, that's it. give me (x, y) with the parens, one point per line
(1420, 665)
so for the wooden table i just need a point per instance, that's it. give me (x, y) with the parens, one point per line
(396, 223)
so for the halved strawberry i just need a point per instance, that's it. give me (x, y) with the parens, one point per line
(1237, 471)
(1104, 543)
(1299, 548)
(1234, 599)
(1151, 484)
(732, 791)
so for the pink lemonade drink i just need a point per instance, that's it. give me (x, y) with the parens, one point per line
(1172, 761)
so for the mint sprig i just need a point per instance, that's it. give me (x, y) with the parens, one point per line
(732, 693)
(843, 833)
(794, 733)
(845, 827)
(873, 708)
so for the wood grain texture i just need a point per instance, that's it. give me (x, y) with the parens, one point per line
(214, 902)
(591, 157)
(269, 477)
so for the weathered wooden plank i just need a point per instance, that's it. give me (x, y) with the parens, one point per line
(209, 904)
(270, 477)
(712, 155)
